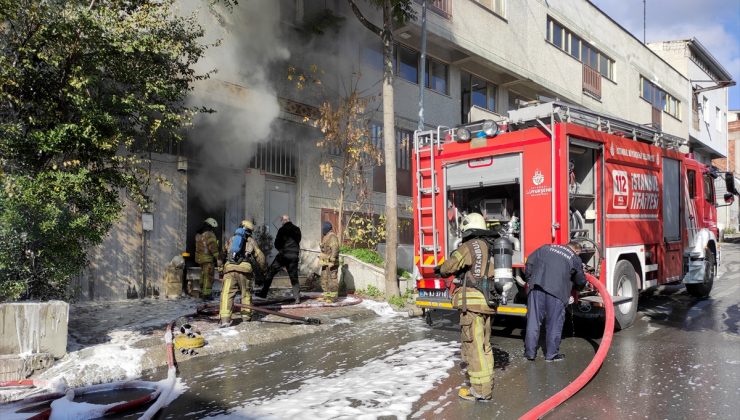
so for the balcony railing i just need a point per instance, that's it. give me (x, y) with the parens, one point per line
(440, 7)
(591, 82)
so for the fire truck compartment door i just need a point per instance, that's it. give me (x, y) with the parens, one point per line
(495, 170)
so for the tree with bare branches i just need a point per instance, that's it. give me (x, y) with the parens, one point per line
(395, 12)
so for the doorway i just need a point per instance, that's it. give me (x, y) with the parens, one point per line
(279, 200)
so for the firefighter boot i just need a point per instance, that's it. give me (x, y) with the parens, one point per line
(296, 293)
(469, 394)
(329, 297)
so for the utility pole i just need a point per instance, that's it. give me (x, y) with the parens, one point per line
(644, 19)
(423, 62)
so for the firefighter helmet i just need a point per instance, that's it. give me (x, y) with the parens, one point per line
(211, 222)
(473, 221)
(246, 224)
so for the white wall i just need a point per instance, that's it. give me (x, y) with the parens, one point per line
(117, 263)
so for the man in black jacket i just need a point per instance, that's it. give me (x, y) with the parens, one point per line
(551, 271)
(287, 242)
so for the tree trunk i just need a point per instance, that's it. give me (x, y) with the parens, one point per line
(389, 148)
(340, 225)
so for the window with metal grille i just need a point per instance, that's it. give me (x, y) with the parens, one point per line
(275, 158)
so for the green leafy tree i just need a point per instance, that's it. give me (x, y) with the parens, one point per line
(395, 13)
(84, 86)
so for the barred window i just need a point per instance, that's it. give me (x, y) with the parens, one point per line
(275, 158)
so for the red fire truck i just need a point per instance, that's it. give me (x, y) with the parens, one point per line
(552, 173)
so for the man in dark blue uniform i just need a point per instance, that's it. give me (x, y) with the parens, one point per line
(551, 271)
(287, 242)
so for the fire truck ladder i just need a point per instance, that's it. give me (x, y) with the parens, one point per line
(563, 112)
(426, 145)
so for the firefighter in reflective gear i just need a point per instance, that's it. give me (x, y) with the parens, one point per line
(329, 260)
(206, 254)
(239, 273)
(472, 262)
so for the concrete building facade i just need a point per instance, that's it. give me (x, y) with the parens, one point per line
(708, 91)
(486, 55)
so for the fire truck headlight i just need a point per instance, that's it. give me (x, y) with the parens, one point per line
(462, 134)
(490, 128)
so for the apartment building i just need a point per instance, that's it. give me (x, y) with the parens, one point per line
(708, 93)
(257, 156)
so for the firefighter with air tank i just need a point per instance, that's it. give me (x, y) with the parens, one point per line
(476, 298)
(206, 254)
(329, 261)
(239, 272)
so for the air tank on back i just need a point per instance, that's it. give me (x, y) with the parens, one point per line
(503, 249)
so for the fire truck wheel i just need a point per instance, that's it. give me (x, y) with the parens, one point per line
(625, 285)
(701, 290)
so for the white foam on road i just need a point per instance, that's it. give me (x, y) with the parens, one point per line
(386, 386)
(103, 362)
(382, 309)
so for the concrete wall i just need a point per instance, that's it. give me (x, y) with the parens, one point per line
(117, 265)
(32, 335)
(358, 275)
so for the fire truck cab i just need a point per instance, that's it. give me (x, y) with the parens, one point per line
(644, 211)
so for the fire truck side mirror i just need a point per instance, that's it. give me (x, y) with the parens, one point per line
(729, 198)
(730, 184)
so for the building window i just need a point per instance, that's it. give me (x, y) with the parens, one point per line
(570, 43)
(436, 76)
(408, 64)
(718, 119)
(372, 56)
(659, 99)
(496, 6)
(515, 100)
(275, 158)
(575, 47)
(404, 138)
(476, 92)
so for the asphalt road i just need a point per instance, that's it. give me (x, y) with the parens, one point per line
(681, 359)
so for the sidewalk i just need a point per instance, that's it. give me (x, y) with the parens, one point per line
(110, 341)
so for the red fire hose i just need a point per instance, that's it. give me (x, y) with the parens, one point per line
(159, 392)
(585, 376)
